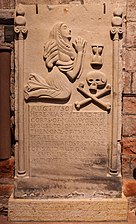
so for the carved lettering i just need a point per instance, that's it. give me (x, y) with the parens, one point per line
(70, 139)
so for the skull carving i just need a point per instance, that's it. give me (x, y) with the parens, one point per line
(96, 80)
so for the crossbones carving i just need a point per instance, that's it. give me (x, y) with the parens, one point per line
(90, 97)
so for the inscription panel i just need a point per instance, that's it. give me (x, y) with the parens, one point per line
(67, 143)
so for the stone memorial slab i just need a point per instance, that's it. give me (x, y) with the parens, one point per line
(68, 112)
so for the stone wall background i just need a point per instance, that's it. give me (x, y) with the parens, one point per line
(128, 102)
(129, 106)
(7, 166)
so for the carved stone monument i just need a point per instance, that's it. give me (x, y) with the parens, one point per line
(68, 113)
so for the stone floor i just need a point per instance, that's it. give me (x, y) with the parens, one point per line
(131, 220)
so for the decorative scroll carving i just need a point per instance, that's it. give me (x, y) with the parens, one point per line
(116, 34)
(116, 31)
(96, 80)
(20, 22)
(63, 62)
(21, 33)
(96, 60)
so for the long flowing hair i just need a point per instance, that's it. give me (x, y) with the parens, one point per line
(54, 44)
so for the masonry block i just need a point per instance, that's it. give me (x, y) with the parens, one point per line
(131, 34)
(1, 33)
(129, 146)
(127, 76)
(131, 8)
(134, 83)
(129, 105)
(93, 210)
(126, 170)
(5, 192)
(129, 187)
(129, 166)
(129, 125)
(132, 205)
(7, 168)
(6, 4)
(130, 63)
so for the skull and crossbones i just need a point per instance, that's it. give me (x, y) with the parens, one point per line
(96, 81)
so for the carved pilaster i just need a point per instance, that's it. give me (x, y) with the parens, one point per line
(116, 34)
(20, 23)
(21, 33)
(116, 22)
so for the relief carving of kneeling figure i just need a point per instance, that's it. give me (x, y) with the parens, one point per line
(63, 61)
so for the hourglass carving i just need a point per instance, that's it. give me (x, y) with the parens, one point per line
(96, 60)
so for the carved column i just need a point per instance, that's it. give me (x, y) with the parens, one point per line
(21, 32)
(116, 33)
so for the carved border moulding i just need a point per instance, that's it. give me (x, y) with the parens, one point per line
(116, 35)
(21, 33)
